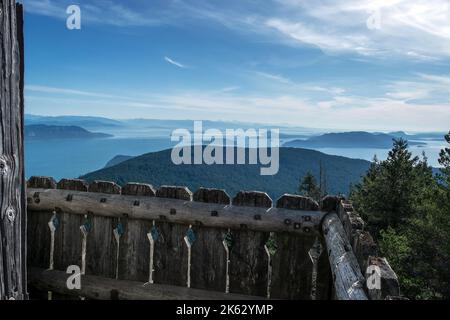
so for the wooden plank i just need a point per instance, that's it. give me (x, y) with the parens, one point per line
(13, 283)
(347, 277)
(38, 239)
(291, 264)
(99, 288)
(134, 255)
(101, 248)
(264, 219)
(68, 241)
(248, 259)
(292, 267)
(171, 255)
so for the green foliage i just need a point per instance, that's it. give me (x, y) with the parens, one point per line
(389, 193)
(308, 187)
(408, 211)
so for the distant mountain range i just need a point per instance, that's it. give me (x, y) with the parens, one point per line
(158, 169)
(294, 136)
(81, 121)
(356, 139)
(46, 132)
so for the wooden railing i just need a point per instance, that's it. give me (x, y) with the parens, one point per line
(206, 242)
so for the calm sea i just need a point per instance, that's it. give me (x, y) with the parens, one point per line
(72, 158)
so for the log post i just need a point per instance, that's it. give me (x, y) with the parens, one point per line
(12, 187)
(347, 277)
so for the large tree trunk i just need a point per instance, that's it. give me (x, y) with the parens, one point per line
(12, 187)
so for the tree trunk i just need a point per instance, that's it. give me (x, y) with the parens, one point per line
(12, 187)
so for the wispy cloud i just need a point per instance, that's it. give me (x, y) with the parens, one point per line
(334, 26)
(275, 77)
(419, 87)
(106, 12)
(330, 90)
(175, 63)
(340, 112)
(65, 91)
(341, 26)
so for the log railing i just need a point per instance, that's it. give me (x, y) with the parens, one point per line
(203, 241)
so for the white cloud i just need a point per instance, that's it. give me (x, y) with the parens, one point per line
(341, 26)
(107, 12)
(175, 63)
(416, 29)
(421, 86)
(330, 90)
(339, 112)
(64, 91)
(274, 77)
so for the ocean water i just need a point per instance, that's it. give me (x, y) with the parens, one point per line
(73, 158)
(431, 151)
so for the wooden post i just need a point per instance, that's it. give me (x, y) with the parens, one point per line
(347, 277)
(12, 187)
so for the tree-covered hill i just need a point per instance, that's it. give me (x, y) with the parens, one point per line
(158, 169)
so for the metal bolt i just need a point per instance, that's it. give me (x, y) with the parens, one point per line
(136, 203)
(198, 223)
(173, 212)
(214, 213)
(287, 222)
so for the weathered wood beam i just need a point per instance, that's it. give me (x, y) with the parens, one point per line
(99, 288)
(12, 182)
(347, 277)
(175, 210)
(388, 286)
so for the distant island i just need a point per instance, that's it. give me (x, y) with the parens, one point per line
(356, 139)
(157, 169)
(45, 132)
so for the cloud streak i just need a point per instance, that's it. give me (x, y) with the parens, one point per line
(175, 63)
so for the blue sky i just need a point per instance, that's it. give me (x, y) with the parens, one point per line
(337, 64)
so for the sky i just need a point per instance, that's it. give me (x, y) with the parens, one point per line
(338, 64)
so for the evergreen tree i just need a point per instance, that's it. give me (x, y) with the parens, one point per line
(387, 193)
(308, 186)
(409, 209)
